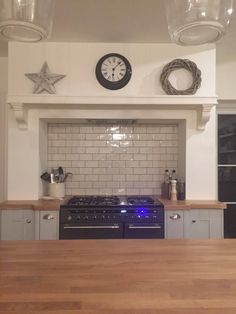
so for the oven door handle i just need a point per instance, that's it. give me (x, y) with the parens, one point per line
(132, 226)
(92, 227)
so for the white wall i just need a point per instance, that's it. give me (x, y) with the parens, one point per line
(78, 62)
(225, 70)
(3, 127)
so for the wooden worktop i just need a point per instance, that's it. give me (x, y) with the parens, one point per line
(34, 205)
(168, 204)
(192, 204)
(118, 276)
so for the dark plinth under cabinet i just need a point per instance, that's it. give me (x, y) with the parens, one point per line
(227, 170)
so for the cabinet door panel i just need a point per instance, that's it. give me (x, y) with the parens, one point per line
(174, 224)
(12, 225)
(29, 225)
(197, 224)
(49, 225)
(204, 224)
(17, 224)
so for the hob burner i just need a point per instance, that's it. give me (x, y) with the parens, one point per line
(93, 200)
(140, 200)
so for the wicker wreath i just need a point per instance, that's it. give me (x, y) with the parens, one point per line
(180, 64)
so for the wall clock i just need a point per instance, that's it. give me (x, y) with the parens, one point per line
(113, 71)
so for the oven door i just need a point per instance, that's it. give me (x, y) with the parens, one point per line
(144, 230)
(92, 231)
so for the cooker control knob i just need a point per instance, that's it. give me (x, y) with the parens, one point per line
(103, 217)
(69, 218)
(78, 217)
(94, 217)
(85, 217)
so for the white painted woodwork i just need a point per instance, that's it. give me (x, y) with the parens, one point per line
(80, 96)
(202, 105)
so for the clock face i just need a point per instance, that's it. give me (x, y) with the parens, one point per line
(113, 71)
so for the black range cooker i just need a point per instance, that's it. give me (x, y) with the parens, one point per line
(111, 217)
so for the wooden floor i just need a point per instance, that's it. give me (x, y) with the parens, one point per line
(118, 276)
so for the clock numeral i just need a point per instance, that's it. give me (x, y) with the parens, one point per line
(122, 70)
(121, 74)
(114, 60)
(105, 73)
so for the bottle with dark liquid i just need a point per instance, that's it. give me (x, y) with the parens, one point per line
(181, 189)
(165, 185)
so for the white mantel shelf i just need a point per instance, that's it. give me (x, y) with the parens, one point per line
(21, 103)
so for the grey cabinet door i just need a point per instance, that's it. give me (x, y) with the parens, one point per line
(204, 224)
(174, 224)
(48, 225)
(17, 224)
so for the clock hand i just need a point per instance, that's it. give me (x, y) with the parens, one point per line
(113, 69)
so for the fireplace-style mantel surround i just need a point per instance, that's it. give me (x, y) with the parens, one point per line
(202, 105)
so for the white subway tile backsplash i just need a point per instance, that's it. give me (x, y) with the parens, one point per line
(72, 157)
(86, 156)
(113, 159)
(140, 157)
(113, 170)
(125, 170)
(84, 170)
(140, 170)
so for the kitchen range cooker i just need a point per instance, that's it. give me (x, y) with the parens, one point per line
(111, 217)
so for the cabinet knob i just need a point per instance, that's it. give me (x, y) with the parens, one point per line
(175, 216)
(28, 221)
(194, 221)
(48, 217)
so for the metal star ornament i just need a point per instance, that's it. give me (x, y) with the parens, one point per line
(44, 80)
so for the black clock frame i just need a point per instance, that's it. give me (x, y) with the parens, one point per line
(113, 85)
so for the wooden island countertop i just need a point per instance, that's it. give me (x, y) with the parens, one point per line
(118, 276)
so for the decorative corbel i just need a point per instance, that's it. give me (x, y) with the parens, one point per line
(204, 113)
(20, 115)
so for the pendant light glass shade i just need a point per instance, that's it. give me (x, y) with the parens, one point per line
(196, 22)
(26, 20)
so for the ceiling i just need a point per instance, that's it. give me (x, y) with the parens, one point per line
(136, 21)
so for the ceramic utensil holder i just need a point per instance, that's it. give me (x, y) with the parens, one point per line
(56, 190)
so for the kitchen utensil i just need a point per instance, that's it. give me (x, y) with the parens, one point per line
(55, 176)
(66, 176)
(46, 177)
(52, 177)
(61, 174)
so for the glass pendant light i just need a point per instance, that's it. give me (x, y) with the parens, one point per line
(26, 20)
(196, 22)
